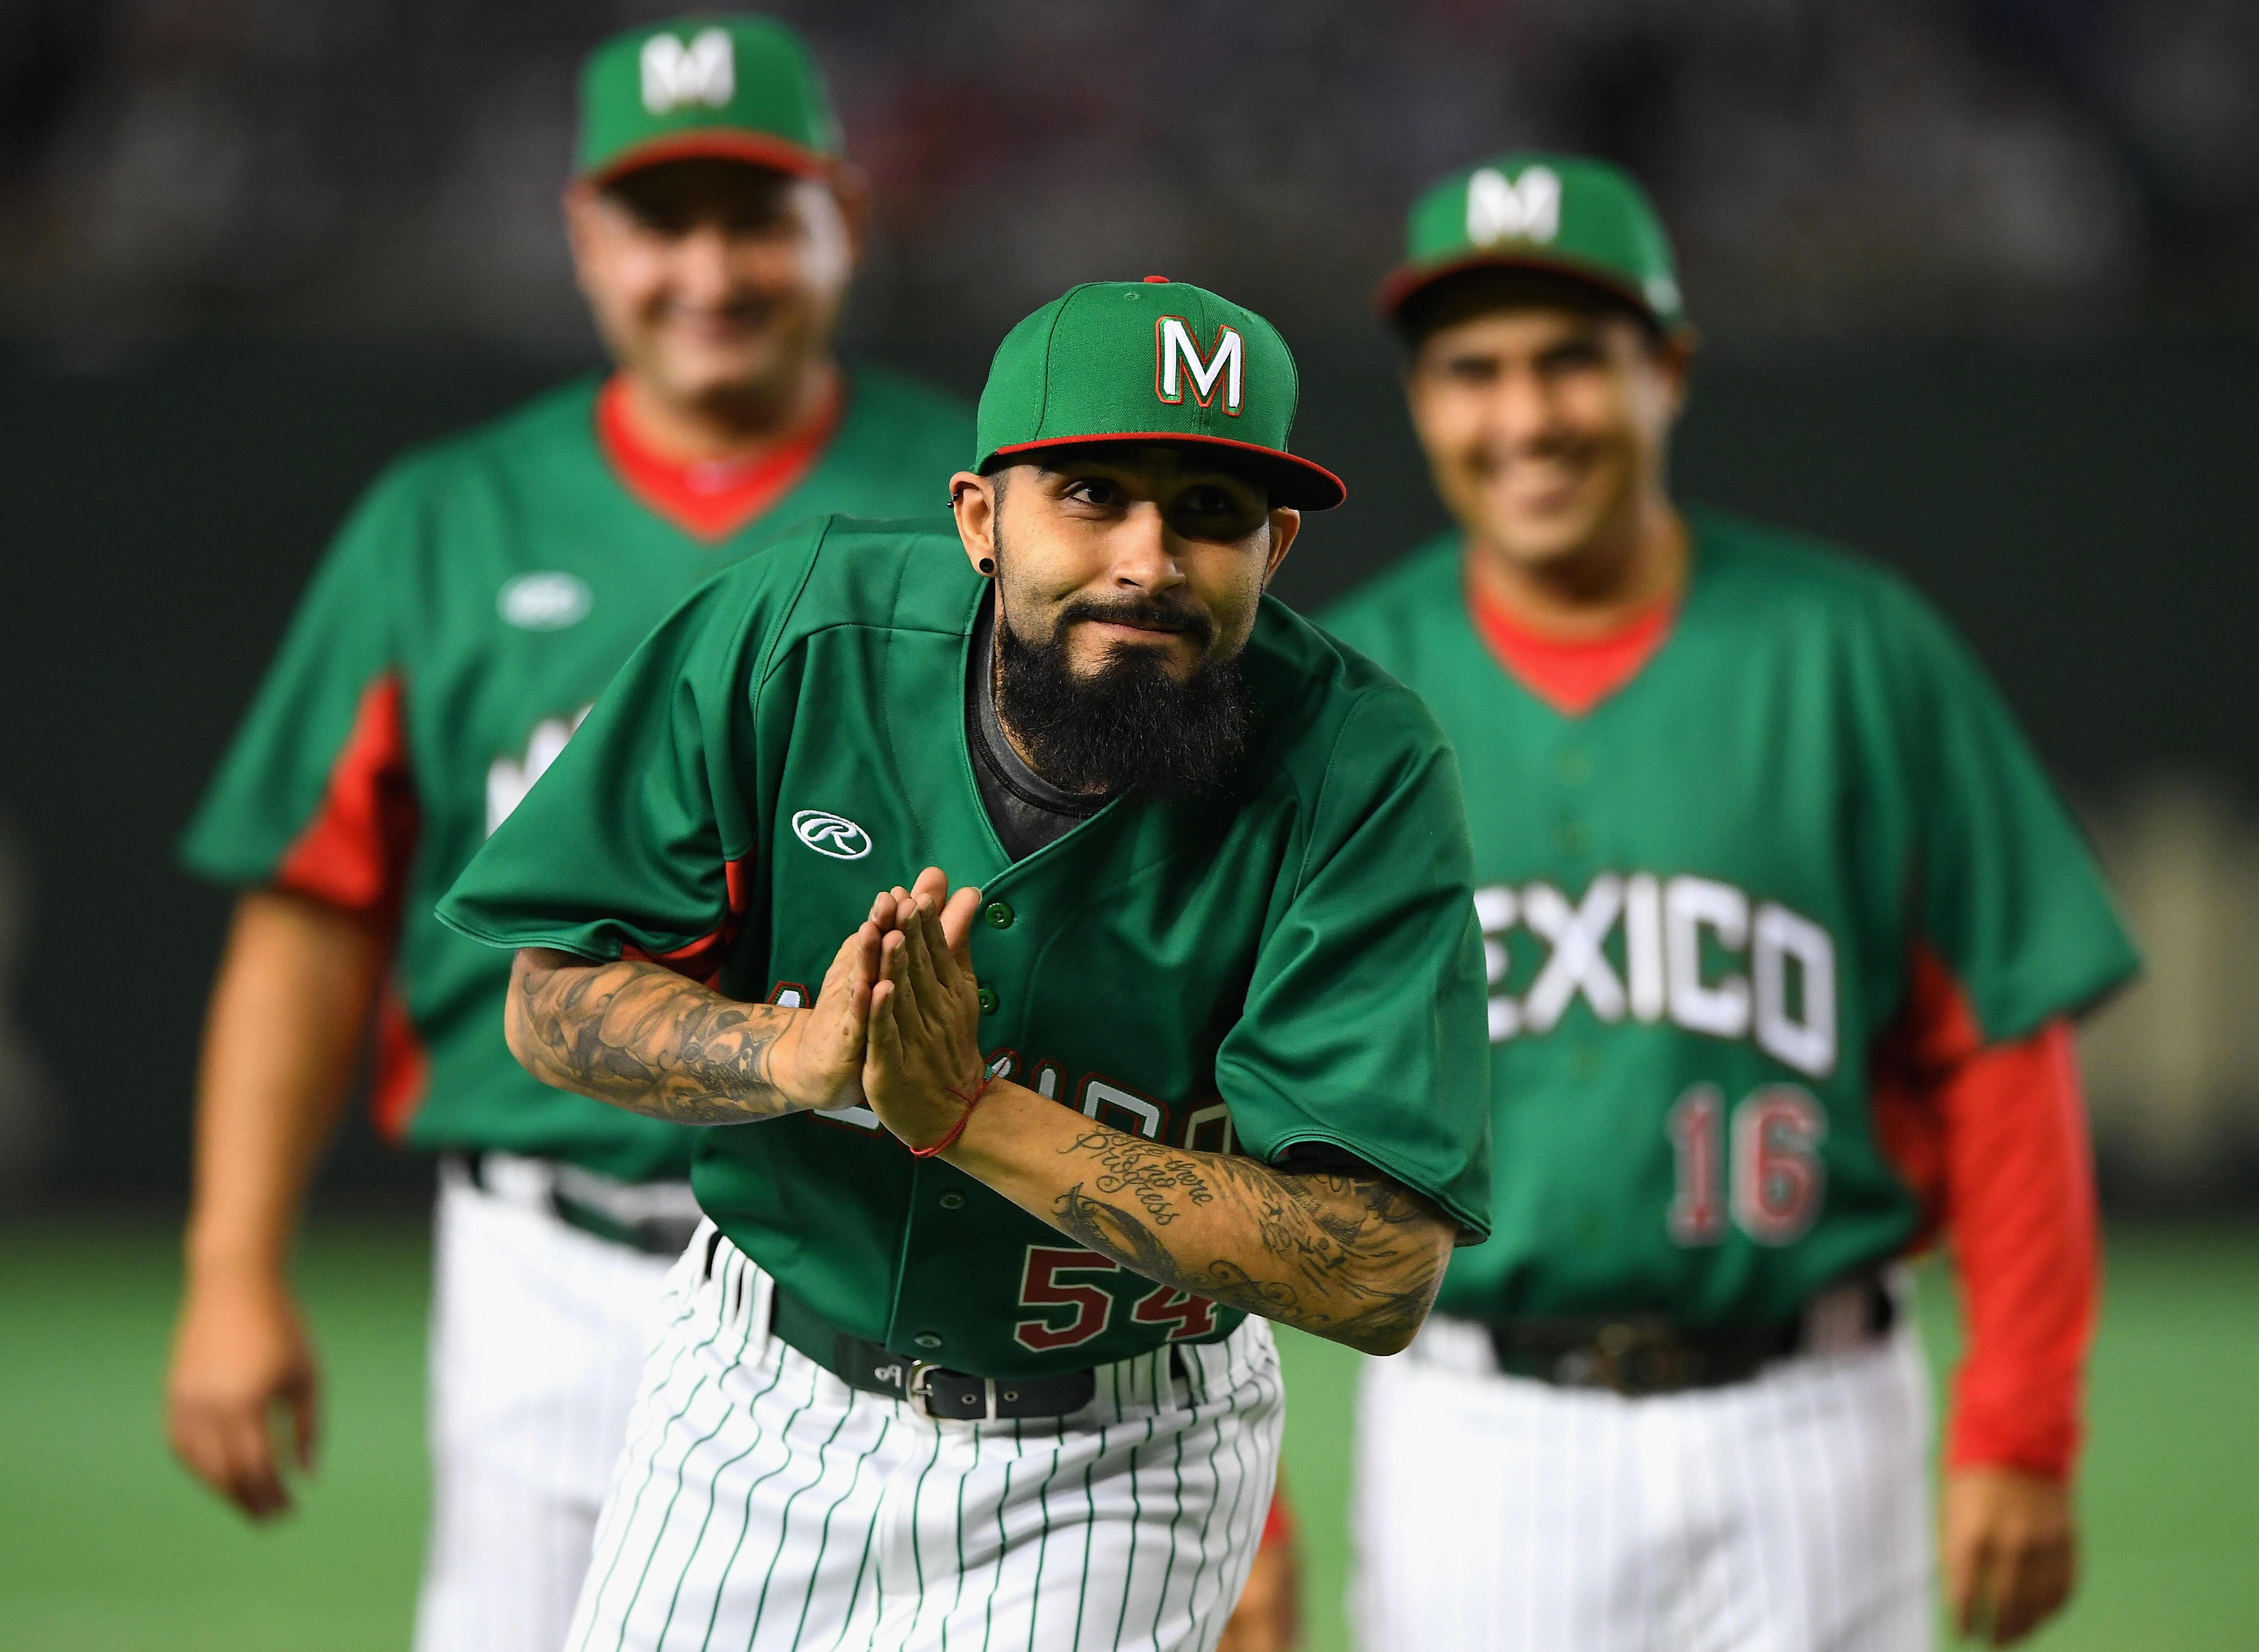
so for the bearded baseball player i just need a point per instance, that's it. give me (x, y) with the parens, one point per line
(479, 598)
(1095, 976)
(1783, 928)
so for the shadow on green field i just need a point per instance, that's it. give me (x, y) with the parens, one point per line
(105, 1545)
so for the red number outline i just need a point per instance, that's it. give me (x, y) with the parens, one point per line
(1040, 1289)
(1779, 1179)
(1165, 1305)
(1697, 1127)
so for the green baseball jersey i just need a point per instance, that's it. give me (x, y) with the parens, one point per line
(1291, 960)
(1701, 901)
(478, 598)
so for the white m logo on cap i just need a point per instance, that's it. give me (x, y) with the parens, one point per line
(1176, 357)
(703, 72)
(1529, 210)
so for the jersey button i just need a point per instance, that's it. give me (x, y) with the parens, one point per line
(1000, 916)
(988, 1000)
(1574, 768)
(928, 1339)
(1572, 837)
(952, 1200)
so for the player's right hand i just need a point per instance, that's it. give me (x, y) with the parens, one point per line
(818, 1061)
(923, 1069)
(2011, 1551)
(240, 1353)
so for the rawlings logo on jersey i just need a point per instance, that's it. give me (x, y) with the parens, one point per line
(510, 779)
(1527, 209)
(1698, 953)
(545, 602)
(703, 72)
(1177, 357)
(830, 834)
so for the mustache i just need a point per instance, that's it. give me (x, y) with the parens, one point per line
(1146, 612)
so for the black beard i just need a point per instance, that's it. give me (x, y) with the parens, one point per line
(1128, 726)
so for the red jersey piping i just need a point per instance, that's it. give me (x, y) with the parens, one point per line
(355, 853)
(702, 959)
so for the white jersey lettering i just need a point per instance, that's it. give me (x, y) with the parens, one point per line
(1804, 1039)
(1681, 939)
(1643, 946)
(1577, 964)
(508, 780)
(1690, 906)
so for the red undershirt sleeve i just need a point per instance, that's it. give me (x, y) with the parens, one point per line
(1993, 1138)
(1278, 1524)
(2013, 933)
(2020, 1205)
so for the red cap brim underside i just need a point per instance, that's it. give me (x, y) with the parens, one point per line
(719, 143)
(1325, 490)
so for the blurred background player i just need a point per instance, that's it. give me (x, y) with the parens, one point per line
(1786, 925)
(482, 593)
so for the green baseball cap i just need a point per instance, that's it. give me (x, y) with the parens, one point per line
(1570, 213)
(1155, 360)
(734, 87)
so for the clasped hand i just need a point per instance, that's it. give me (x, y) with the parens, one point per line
(896, 1024)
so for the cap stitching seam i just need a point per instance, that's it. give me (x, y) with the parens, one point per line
(1051, 336)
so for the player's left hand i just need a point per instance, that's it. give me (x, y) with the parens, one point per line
(2011, 1552)
(922, 1058)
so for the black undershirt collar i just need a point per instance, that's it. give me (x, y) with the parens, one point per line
(1026, 810)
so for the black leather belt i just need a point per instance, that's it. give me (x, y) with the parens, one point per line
(931, 1390)
(1638, 1355)
(624, 1212)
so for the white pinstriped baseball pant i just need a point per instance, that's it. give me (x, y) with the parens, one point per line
(761, 1504)
(1786, 1513)
(538, 1334)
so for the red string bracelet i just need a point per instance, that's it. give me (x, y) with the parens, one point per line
(957, 1128)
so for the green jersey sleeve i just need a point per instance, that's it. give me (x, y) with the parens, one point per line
(636, 842)
(321, 744)
(1365, 1024)
(2008, 893)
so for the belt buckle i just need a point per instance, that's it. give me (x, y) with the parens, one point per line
(917, 1388)
(918, 1393)
(1633, 1357)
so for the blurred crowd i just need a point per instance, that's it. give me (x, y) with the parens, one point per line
(388, 169)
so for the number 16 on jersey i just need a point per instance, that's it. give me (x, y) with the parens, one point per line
(1764, 1174)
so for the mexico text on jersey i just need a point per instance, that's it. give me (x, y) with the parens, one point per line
(1701, 902)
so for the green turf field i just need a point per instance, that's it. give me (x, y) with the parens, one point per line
(104, 1544)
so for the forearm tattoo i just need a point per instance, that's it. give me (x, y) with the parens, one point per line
(1356, 1259)
(642, 1037)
